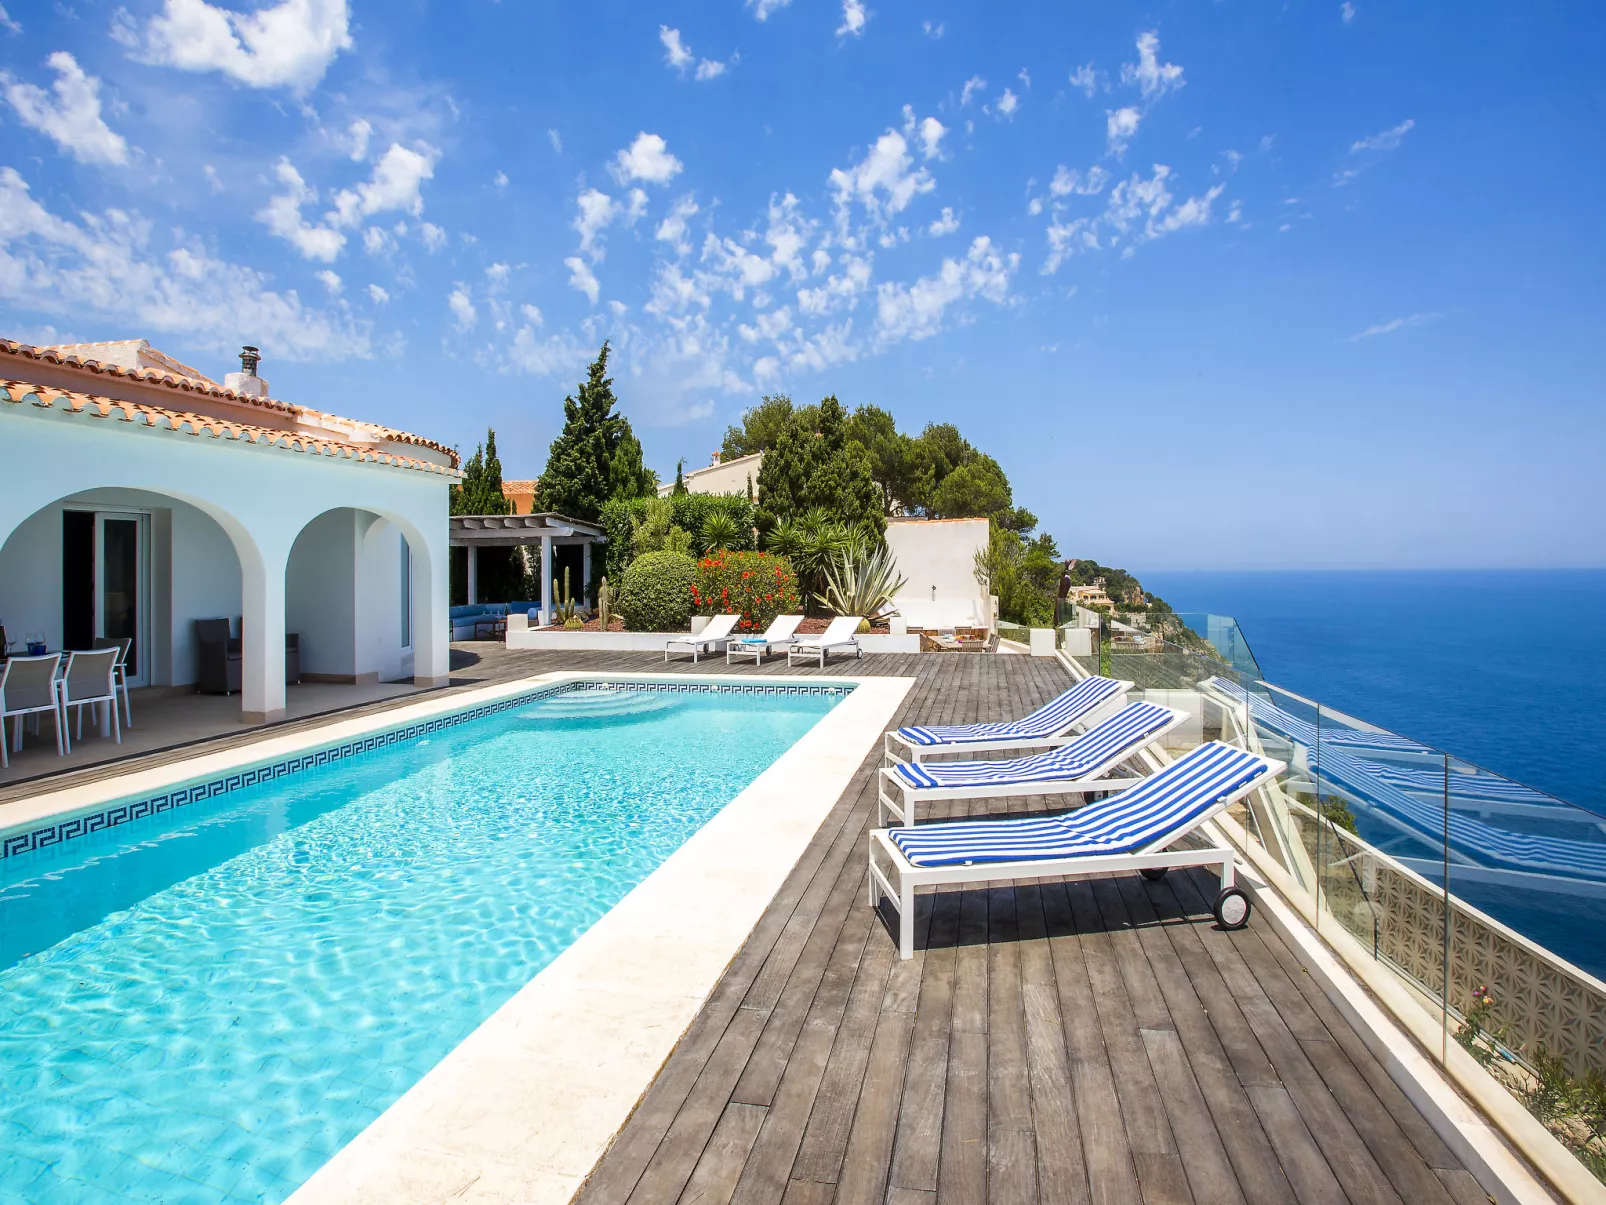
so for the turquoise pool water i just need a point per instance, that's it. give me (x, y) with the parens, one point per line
(205, 1005)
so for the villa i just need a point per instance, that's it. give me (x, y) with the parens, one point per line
(547, 917)
(141, 495)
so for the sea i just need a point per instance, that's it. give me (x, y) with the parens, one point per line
(1503, 668)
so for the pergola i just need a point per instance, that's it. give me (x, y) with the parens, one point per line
(474, 532)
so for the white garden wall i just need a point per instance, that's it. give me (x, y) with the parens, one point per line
(937, 557)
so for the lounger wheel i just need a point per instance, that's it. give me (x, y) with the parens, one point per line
(1232, 908)
(1154, 873)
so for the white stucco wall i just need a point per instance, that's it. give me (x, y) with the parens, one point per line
(320, 596)
(261, 497)
(728, 478)
(937, 557)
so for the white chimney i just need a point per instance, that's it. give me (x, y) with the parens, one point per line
(246, 381)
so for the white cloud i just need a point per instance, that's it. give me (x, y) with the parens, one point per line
(556, 139)
(1120, 127)
(1139, 209)
(854, 15)
(928, 130)
(648, 159)
(282, 216)
(1034, 206)
(1153, 78)
(1392, 325)
(497, 274)
(435, 236)
(581, 277)
(394, 186)
(763, 8)
(712, 68)
(499, 180)
(556, 355)
(972, 86)
(676, 54)
(672, 229)
(532, 315)
(104, 268)
(1384, 140)
(10, 26)
(597, 210)
(882, 181)
(290, 44)
(357, 138)
(464, 315)
(212, 180)
(1067, 182)
(840, 290)
(72, 116)
(1008, 103)
(1025, 77)
(933, 30)
(378, 295)
(1085, 79)
(946, 224)
(1346, 10)
(330, 281)
(917, 311)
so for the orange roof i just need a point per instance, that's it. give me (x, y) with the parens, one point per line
(68, 355)
(20, 393)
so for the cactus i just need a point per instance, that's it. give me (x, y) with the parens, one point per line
(563, 612)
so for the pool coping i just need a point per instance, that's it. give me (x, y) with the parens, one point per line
(525, 1106)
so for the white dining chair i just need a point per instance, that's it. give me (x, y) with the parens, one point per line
(91, 679)
(28, 687)
(122, 644)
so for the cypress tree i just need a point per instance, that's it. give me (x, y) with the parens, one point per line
(596, 457)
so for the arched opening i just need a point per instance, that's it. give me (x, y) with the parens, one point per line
(116, 562)
(349, 599)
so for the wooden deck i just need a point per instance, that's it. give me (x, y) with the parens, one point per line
(1079, 1042)
(1096, 1042)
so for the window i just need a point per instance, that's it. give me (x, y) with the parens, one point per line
(406, 560)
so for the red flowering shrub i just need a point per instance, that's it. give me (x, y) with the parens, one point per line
(760, 585)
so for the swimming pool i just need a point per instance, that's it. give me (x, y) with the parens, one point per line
(206, 1004)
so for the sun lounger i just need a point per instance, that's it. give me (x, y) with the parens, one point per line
(781, 634)
(1079, 767)
(840, 635)
(708, 640)
(1134, 830)
(1052, 724)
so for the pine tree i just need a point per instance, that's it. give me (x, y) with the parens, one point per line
(818, 467)
(596, 457)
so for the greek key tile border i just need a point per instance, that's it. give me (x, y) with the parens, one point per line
(55, 832)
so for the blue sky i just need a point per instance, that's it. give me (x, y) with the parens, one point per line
(1220, 285)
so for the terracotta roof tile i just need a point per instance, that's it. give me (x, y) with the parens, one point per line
(183, 422)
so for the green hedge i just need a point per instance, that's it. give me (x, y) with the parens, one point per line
(689, 512)
(655, 593)
(758, 584)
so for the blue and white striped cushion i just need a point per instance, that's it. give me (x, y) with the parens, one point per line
(1047, 721)
(1148, 816)
(1112, 740)
(1484, 788)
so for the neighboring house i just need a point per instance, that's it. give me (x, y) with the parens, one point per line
(937, 558)
(721, 477)
(139, 495)
(1090, 596)
(521, 494)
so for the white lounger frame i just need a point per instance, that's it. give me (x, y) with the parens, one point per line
(898, 882)
(760, 649)
(818, 647)
(1094, 780)
(698, 641)
(901, 748)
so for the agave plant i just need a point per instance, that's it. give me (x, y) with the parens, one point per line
(861, 580)
(719, 530)
(811, 543)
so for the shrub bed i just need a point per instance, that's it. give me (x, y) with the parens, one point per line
(656, 593)
(760, 585)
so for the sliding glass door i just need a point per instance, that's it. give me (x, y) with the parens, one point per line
(120, 588)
